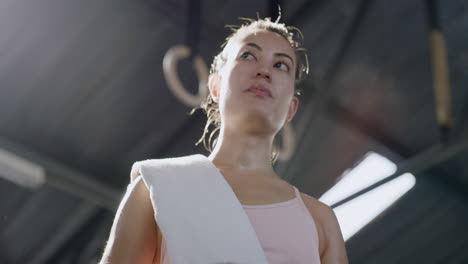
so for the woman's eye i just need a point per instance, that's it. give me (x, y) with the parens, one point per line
(282, 66)
(246, 55)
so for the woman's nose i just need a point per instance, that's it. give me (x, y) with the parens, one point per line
(263, 74)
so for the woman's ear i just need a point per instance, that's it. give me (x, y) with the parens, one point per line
(214, 84)
(292, 108)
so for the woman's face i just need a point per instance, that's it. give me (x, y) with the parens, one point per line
(255, 88)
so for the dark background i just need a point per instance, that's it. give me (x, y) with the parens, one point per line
(82, 93)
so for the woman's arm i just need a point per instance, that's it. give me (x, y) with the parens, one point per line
(133, 236)
(335, 251)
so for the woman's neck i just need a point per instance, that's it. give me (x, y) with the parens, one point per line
(243, 152)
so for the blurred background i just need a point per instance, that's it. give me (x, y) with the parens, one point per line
(83, 95)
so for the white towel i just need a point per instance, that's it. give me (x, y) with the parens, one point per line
(199, 215)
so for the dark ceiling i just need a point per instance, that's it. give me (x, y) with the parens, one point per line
(82, 94)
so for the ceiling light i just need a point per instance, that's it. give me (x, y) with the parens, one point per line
(355, 214)
(20, 171)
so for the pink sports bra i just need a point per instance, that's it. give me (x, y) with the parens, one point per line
(286, 231)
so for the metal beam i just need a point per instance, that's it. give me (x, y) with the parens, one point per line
(69, 180)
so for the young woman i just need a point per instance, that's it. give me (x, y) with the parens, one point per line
(252, 87)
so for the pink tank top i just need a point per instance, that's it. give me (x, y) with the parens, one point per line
(286, 231)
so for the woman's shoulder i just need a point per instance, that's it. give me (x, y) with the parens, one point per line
(315, 205)
(323, 215)
(331, 239)
(170, 162)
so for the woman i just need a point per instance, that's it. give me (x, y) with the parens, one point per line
(252, 87)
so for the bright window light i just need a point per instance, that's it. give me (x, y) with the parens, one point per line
(355, 214)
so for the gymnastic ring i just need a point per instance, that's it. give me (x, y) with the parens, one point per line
(288, 143)
(173, 55)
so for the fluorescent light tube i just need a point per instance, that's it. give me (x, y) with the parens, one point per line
(21, 171)
(357, 213)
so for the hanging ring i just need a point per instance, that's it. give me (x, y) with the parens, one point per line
(173, 55)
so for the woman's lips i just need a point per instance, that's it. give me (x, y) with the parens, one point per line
(260, 90)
